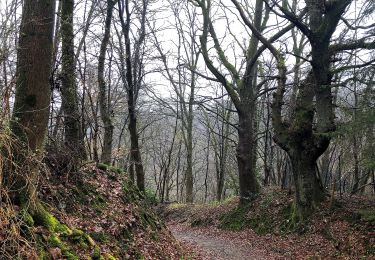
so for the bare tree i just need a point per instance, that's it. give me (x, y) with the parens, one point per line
(307, 135)
(132, 77)
(72, 119)
(104, 102)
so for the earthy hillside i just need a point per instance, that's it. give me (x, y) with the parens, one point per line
(94, 214)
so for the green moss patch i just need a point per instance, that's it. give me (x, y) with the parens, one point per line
(68, 253)
(235, 219)
(367, 216)
(106, 167)
(26, 218)
(101, 237)
(131, 192)
(47, 220)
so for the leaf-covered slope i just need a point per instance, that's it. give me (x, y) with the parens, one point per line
(96, 214)
(342, 228)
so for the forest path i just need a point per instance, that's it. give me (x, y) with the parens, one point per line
(213, 245)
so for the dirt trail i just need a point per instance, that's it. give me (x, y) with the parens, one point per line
(215, 246)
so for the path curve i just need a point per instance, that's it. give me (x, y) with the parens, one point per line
(213, 247)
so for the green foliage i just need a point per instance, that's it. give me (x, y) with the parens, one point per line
(110, 257)
(100, 237)
(81, 238)
(131, 192)
(207, 221)
(242, 217)
(116, 169)
(127, 234)
(87, 194)
(106, 167)
(99, 203)
(150, 197)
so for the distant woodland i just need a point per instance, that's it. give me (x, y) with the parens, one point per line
(197, 101)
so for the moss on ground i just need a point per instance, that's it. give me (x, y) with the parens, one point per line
(235, 219)
(291, 219)
(106, 167)
(26, 218)
(96, 255)
(131, 192)
(101, 237)
(42, 217)
(367, 216)
(68, 253)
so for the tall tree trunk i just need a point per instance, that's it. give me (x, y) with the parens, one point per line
(188, 119)
(72, 126)
(104, 104)
(136, 158)
(32, 100)
(223, 146)
(207, 165)
(303, 147)
(242, 93)
(249, 186)
(132, 81)
(189, 181)
(307, 135)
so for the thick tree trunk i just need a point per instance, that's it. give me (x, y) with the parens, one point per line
(307, 135)
(32, 99)
(72, 126)
(309, 191)
(249, 186)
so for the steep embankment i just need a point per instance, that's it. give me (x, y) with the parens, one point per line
(96, 214)
(343, 229)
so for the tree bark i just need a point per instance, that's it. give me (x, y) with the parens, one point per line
(32, 100)
(306, 136)
(132, 82)
(249, 186)
(72, 126)
(309, 191)
(105, 109)
(242, 92)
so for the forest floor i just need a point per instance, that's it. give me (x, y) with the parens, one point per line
(215, 244)
(99, 214)
(343, 228)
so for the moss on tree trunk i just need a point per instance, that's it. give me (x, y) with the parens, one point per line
(31, 107)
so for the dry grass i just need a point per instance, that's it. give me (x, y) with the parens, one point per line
(13, 242)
